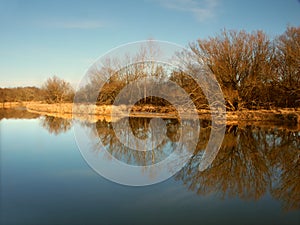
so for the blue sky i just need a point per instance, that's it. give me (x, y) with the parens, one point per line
(39, 39)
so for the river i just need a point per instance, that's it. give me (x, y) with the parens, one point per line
(45, 179)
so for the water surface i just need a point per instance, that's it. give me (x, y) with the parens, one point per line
(44, 179)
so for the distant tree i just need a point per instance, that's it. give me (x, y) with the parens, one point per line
(20, 94)
(57, 90)
(2, 96)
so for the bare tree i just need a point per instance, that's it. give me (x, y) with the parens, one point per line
(240, 61)
(253, 71)
(288, 66)
(57, 90)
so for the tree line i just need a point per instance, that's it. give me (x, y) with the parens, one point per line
(54, 90)
(254, 72)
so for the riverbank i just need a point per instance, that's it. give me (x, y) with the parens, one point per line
(9, 105)
(91, 112)
(289, 116)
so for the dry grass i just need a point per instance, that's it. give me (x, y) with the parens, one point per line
(291, 116)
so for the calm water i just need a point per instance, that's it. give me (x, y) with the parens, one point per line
(44, 179)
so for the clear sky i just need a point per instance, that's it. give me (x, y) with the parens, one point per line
(39, 39)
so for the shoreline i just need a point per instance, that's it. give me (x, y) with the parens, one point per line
(92, 112)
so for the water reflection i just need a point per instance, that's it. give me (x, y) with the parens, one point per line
(56, 125)
(285, 159)
(252, 161)
(17, 113)
(140, 129)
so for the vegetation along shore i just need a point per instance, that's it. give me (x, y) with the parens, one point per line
(259, 78)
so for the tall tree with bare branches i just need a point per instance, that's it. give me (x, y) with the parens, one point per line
(57, 90)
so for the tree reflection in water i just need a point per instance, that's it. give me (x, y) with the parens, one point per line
(252, 160)
(56, 125)
(285, 160)
(140, 128)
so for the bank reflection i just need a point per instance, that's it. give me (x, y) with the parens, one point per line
(56, 125)
(252, 161)
(17, 113)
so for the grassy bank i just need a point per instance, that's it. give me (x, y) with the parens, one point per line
(9, 105)
(291, 116)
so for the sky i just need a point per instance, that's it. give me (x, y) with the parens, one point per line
(39, 39)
